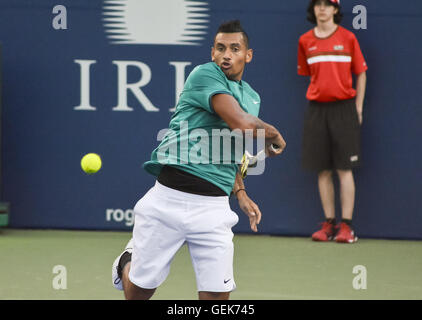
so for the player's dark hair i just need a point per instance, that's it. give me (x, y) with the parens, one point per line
(233, 26)
(311, 12)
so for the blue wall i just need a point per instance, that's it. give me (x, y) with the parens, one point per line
(44, 137)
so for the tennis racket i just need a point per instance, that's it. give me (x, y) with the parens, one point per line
(251, 161)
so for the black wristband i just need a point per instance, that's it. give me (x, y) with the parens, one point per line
(238, 191)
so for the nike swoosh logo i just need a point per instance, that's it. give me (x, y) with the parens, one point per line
(225, 281)
(255, 102)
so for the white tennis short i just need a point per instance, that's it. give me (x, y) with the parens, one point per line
(165, 219)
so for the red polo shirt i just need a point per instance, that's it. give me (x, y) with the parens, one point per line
(330, 62)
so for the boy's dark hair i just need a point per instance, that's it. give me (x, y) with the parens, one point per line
(311, 13)
(233, 26)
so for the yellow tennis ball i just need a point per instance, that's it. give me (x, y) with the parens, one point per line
(91, 163)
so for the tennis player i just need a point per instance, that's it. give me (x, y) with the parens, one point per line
(330, 55)
(190, 201)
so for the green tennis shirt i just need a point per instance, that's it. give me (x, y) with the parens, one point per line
(198, 141)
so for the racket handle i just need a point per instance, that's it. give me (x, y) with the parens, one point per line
(274, 147)
(262, 154)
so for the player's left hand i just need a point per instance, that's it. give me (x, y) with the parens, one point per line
(250, 208)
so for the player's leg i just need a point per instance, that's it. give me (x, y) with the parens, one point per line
(120, 276)
(131, 291)
(157, 236)
(210, 242)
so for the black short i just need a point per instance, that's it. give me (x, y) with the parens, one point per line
(331, 136)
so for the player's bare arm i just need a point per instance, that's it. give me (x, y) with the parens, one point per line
(229, 110)
(360, 93)
(249, 207)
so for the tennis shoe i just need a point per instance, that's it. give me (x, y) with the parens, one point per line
(326, 233)
(345, 234)
(116, 272)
